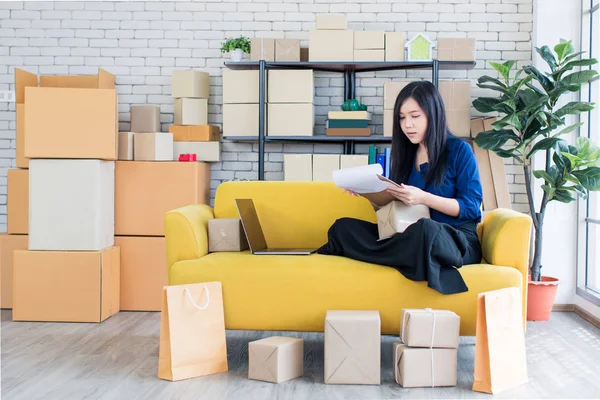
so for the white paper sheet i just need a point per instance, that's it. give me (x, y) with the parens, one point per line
(362, 179)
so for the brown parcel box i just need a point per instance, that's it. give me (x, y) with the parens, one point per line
(348, 132)
(153, 146)
(226, 234)
(287, 50)
(297, 167)
(195, 133)
(241, 120)
(291, 86)
(191, 112)
(429, 328)
(240, 86)
(143, 272)
(66, 286)
(146, 191)
(352, 347)
(457, 101)
(331, 45)
(290, 119)
(276, 359)
(396, 216)
(17, 202)
(21, 161)
(413, 366)
(394, 46)
(323, 167)
(145, 118)
(125, 146)
(190, 83)
(262, 49)
(8, 244)
(457, 49)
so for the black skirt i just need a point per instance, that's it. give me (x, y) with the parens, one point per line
(426, 251)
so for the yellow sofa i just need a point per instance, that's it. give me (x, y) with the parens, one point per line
(293, 293)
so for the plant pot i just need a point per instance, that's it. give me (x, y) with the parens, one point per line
(540, 298)
(236, 55)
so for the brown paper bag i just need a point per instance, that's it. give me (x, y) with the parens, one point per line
(500, 361)
(192, 332)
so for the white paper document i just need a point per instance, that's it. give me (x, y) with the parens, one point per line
(362, 179)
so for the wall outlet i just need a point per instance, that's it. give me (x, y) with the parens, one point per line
(7, 96)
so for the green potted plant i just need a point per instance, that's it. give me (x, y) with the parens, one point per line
(236, 47)
(531, 121)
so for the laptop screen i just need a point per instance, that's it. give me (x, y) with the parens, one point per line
(251, 224)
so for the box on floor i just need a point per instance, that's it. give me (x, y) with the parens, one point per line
(8, 244)
(276, 359)
(424, 367)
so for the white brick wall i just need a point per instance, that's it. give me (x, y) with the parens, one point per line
(142, 42)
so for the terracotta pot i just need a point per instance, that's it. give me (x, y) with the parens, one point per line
(540, 298)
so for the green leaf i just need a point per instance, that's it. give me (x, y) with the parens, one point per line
(544, 175)
(587, 151)
(503, 69)
(510, 120)
(563, 49)
(553, 119)
(569, 129)
(493, 87)
(578, 63)
(589, 178)
(550, 191)
(514, 88)
(564, 196)
(486, 79)
(486, 104)
(573, 159)
(493, 140)
(544, 144)
(578, 78)
(574, 107)
(572, 56)
(547, 55)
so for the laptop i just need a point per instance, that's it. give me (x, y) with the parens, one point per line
(254, 232)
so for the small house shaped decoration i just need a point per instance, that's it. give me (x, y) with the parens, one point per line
(420, 48)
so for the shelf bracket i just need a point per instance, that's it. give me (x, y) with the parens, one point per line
(349, 84)
(261, 121)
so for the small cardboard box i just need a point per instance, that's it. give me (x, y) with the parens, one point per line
(419, 367)
(71, 204)
(331, 22)
(388, 123)
(352, 347)
(324, 165)
(190, 83)
(145, 118)
(479, 125)
(226, 234)
(396, 216)
(199, 133)
(154, 146)
(291, 86)
(391, 90)
(21, 161)
(348, 132)
(262, 49)
(191, 112)
(66, 286)
(287, 50)
(143, 272)
(394, 46)
(17, 201)
(429, 328)
(126, 146)
(369, 55)
(145, 191)
(351, 160)
(240, 86)
(204, 151)
(8, 244)
(456, 49)
(331, 45)
(297, 167)
(276, 359)
(369, 40)
(288, 119)
(240, 120)
(457, 101)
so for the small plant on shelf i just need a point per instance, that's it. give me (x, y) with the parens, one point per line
(236, 47)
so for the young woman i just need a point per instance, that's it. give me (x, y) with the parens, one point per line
(433, 168)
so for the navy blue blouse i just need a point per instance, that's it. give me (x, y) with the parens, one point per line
(461, 182)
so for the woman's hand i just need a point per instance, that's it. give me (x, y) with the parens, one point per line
(409, 195)
(375, 206)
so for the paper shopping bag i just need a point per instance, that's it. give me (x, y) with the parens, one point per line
(192, 332)
(500, 361)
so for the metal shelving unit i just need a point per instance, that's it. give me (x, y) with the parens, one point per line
(349, 69)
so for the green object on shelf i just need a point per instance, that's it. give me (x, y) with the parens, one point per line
(353, 105)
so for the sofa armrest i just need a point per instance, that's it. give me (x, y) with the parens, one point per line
(186, 232)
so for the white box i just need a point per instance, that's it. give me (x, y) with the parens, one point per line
(191, 112)
(155, 146)
(204, 151)
(71, 204)
(125, 146)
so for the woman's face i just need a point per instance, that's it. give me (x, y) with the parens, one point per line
(413, 121)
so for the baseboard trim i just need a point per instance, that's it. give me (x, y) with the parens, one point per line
(587, 316)
(563, 307)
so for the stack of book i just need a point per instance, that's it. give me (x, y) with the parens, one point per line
(382, 158)
(348, 123)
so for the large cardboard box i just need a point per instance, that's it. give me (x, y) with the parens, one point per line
(331, 22)
(457, 101)
(204, 151)
(145, 191)
(396, 216)
(21, 161)
(66, 286)
(143, 272)
(419, 367)
(154, 146)
(198, 133)
(241, 120)
(145, 118)
(226, 234)
(391, 90)
(125, 146)
(369, 55)
(394, 46)
(324, 165)
(429, 328)
(240, 86)
(353, 160)
(331, 45)
(456, 49)
(71, 204)
(8, 244)
(479, 125)
(276, 359)
(297, 167)
(369, 40)
(262, 49)
(288, 119)
(190, 83)
(17, 203)
(291, 86)
(191, 112)
(287, 50)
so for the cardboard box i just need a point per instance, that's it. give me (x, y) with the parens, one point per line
(388, 123)
(456, 49)
(287, 50)
(240, 86)
(396, 216)
(479, 125)
(226, 234)
(23, 79)
(241, 120)
(204, 151)
(487, 181)
(369, 40)
(143, 272)
(291, 86)
(17, 201)
(21, 161)
(457, 101)
(331, 45)
(413, 366)
(191, 112)
(155, 146)
(8, 244)
(198, 133)
(391, 90)
(429, 328)
(146, 191)
(190, 83)
(66, 286)
(71, 204)
(500, 182)
(125, 146)
(369, 55)
(103, 80)
(332, 22)
(352, 347)
(262, 49)
(288, 119)
(348, 131)
(394, 46)
(352, 160)
(276, 359)
(323, 167)
(297, 167)
(145, 118)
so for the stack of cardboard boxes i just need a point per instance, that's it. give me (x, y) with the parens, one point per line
(240, 102)
(290, 97)
(348, 123)
(332, 40)
(318, 167)
(145, 141)
(369, 46)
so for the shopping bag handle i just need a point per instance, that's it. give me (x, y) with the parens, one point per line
(194, 303)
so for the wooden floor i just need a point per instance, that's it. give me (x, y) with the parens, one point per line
(118, 360)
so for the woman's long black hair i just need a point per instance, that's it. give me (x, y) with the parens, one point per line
(403, 151)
